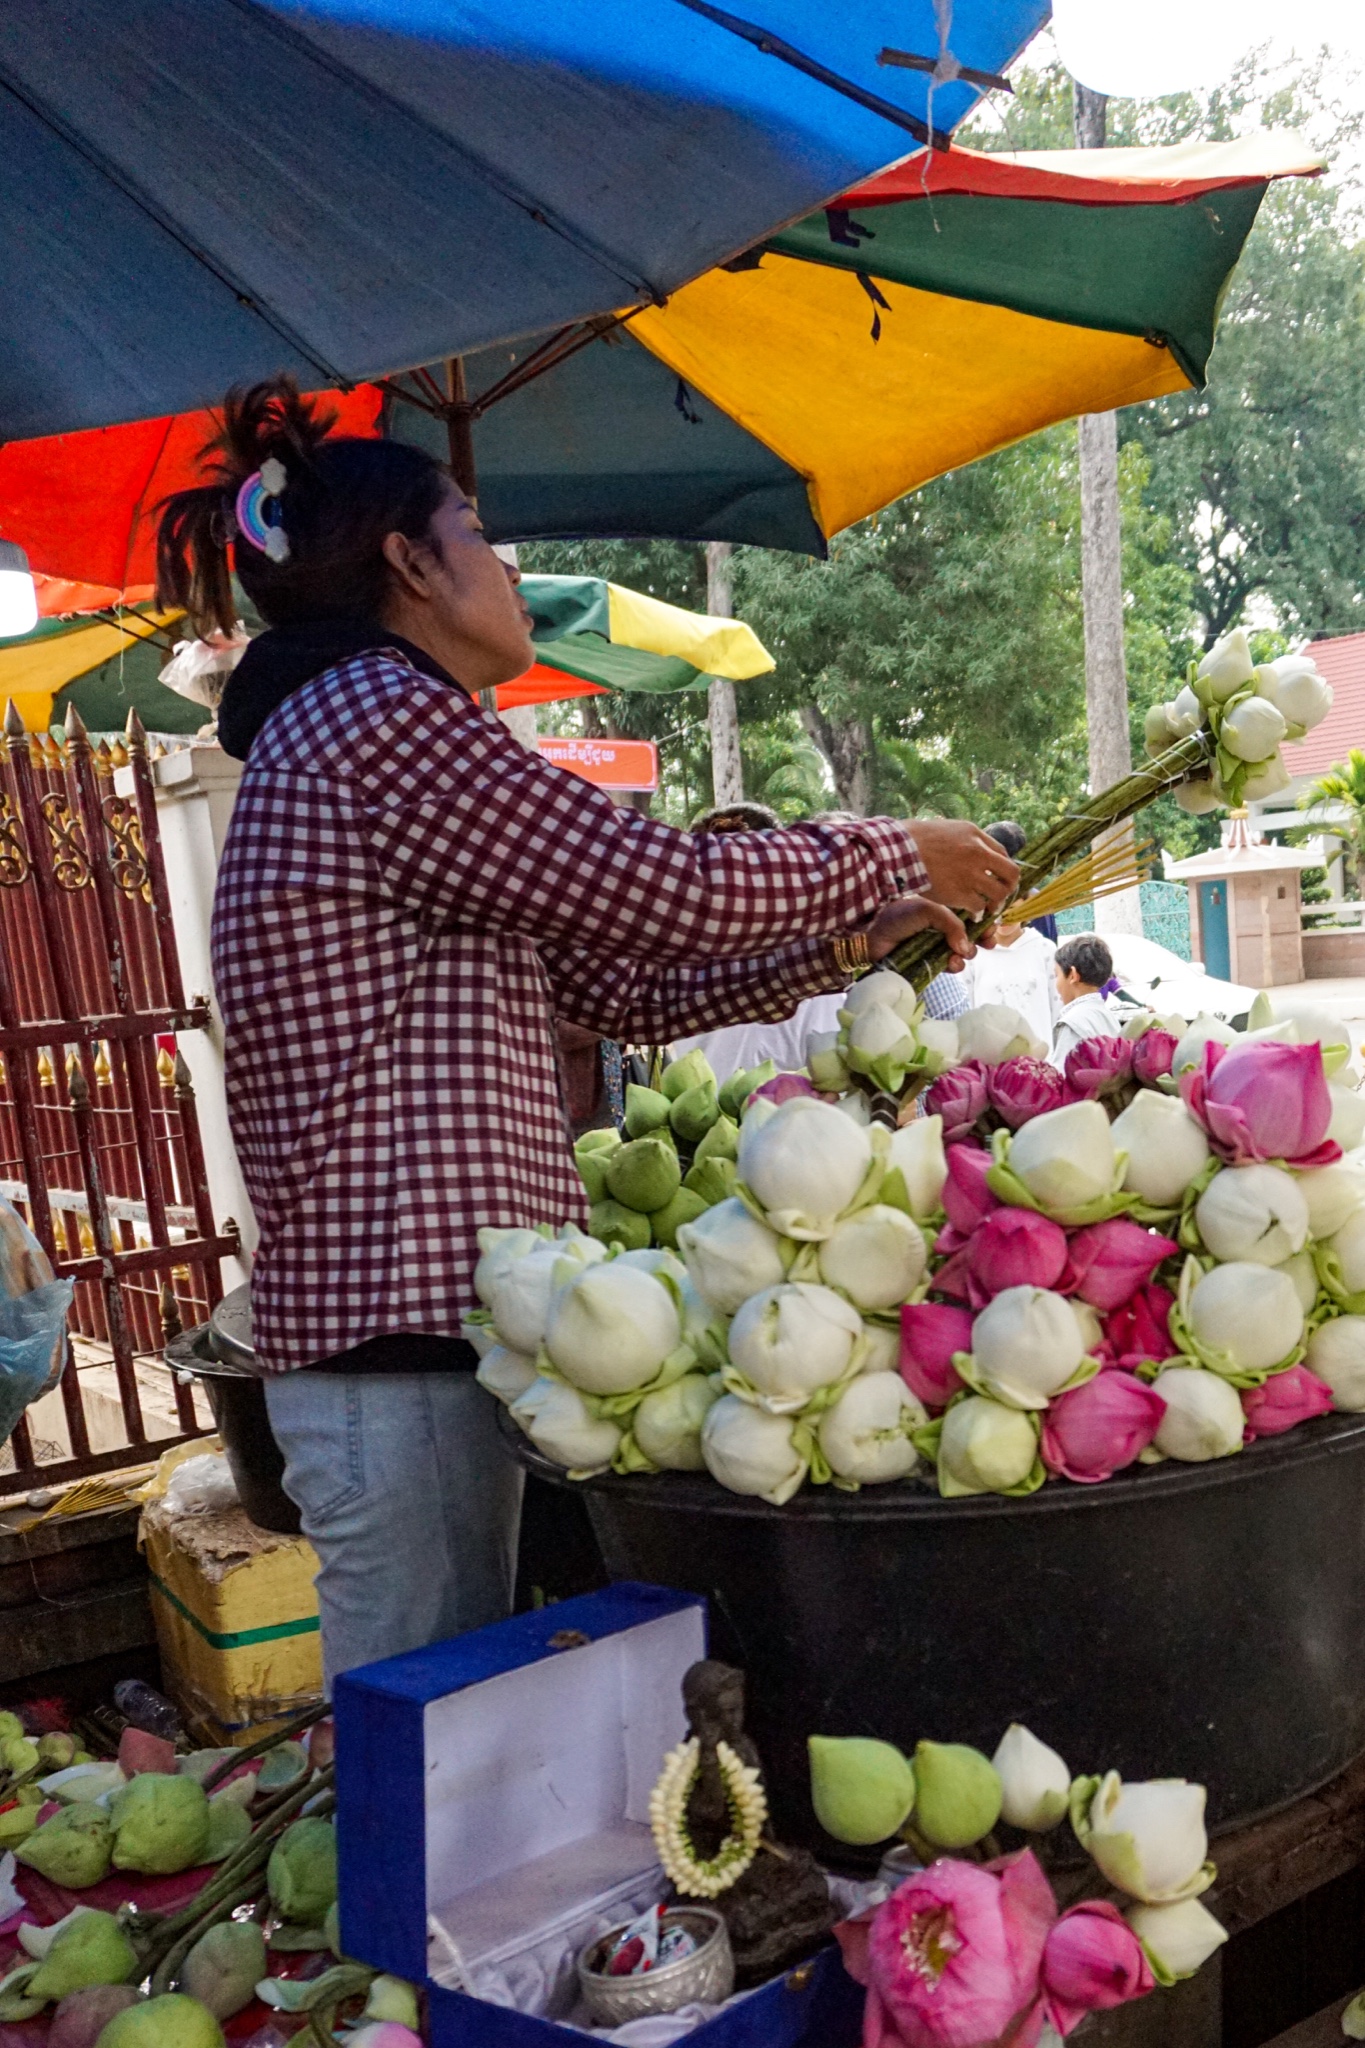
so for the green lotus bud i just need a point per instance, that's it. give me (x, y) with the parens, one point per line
(391, 1998)
(10, 1727)
(170, 2022)
(16, 1825)
(958, 1794)
(19, 1755)
(285, 1766)
(720, 1142)
(862, 1790)
(302, 1871)
(613, 1223)
(229, 1826)
(331, 1927)
(693, 1114)
(56, 1752)
(72, 1849)
(90, 1949)
(692, 1071)
(224, 1967)
(592, 1171)
(685, 1207)
(645, 1175)
(713, 1179)
(740, 1087)
(160, 1825)
(605, 1140)
(81, 2018)
(646, 1110)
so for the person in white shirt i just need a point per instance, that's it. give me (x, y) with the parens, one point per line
(1083, 965)
(1017, 970)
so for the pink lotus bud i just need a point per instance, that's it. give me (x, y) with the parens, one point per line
(1023, 1088)
(1110, 1261)
(1286, 1399)
(1098, 1066)
(322, 1739)
(1095, 1430)
(1015, 1248)
(1139, 1333)
(783, 1087)
(1092, 1961)
(960, 1098)
(931, 1331)
(1260, 1099)
(1153, 1054)
(966, 1198)
(139, 1752)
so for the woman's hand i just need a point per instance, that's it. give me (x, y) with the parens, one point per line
(900, 920)
(966, 867)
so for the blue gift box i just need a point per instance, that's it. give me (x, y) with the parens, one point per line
(492, 1802)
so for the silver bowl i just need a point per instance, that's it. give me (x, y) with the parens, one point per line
(706, 1977)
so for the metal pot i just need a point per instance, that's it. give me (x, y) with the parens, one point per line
(219, 1353)
(1199, 1621)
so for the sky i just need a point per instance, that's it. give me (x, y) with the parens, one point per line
(1143, 49)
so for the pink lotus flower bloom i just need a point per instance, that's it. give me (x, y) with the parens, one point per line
(966, 1198)
(1098, 1066)
(1286, 1399)
(383, 2034)
(1139, 1333)
(1095, 1430)
(960, 1098)
(1111, 1260)
(1014, 1248)
(952, 1959)
(783, 1087)
(931, 1331)
(1259, 1099)
(1024, 1088)
(1153, 1055)
(1092, 1961)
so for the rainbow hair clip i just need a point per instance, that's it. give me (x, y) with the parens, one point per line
(258, 512)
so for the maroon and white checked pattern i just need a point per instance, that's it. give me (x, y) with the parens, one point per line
(405, 897)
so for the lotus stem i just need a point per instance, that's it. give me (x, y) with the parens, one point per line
(268, 1742)
(166, 1971)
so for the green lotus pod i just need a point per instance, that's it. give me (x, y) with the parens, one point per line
(645, 1175)
(229, 1826)
(56, 1752)
(19, 1755)
(958, 1794)
(224, 1967)
(160, 1825)
(91, 1949)
(592, 1171)
(646, 1110)
(862, 1791)
(720, 1142)
(331, 1927)
(10, 1727)
(692, 1071)
(685, 1207)
(200, 1763)
(693, 1114)
(613, 1223)
(16, 1825)
(284, 1767)
(392, 1998)
(740, 1087)
(81, 2017)
(170, 2022)
(72, 1849)
(302, 1871)
(15, 2003)
(713, 1179)
(605, 1140)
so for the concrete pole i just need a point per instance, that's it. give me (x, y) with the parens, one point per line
(1106, 675)
(727, 774)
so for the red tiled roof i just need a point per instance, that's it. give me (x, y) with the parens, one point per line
(1342, 663)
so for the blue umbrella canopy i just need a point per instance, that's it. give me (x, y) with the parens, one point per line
(199, 192)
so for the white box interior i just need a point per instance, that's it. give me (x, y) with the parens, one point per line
(537, 1803)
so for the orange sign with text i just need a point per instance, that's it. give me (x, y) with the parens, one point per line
(611, 764)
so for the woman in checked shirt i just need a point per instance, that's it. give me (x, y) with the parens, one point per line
(407, 900)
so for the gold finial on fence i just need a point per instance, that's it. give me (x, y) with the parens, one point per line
(104, 1072)
(165, 1068)
(46, 1077)
(104, 762)
(171, 1324)
(119, 754)
(14, 724)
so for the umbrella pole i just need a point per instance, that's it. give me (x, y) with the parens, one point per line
(460, 433)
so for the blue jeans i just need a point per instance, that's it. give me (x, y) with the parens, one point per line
(410, 1499)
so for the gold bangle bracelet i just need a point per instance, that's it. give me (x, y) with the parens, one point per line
(852, 953)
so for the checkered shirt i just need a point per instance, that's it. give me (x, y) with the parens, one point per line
(406, 898)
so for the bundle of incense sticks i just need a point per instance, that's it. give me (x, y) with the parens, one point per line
(1117, 864)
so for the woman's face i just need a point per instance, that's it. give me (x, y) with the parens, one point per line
(455, 598)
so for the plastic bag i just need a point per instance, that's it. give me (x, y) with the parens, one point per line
(33, 1311)
(199, 668)
(199, 1486)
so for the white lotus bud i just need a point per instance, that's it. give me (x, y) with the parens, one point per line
(985, 1447)
(703, 1327)
(825, 1063)
(1088, 1323)
(1227, 667)
(1252, 1212)
(917, 1149)
(1026, 1345)
(804, 1165)
(881, 1348)
(506, 1374)
(866, 1434)
(729, 1254)
(1035, 1781)
(1253, 730)
(1203, 1416)
(1313, 1024)
(1179, 1938)
(523, 1294)
(555, 1417)
(1166, 1147)
(499, 1251)
(1190, 1051)
(611, 1329)
(1336, 1353)
(1199, 796)
(791, 1340)
(667, 1424)
(1300, 692)
(1065, 1158)
(750, 1451)
(876, 1257)
(1331, 1194)
(854, 1106)
(1348, 1242)
(939, 1037)
(993, 1032)
(1246, 1313)
(883, 989)
(655, 1259)
(1304, 1275)
(1150, 1839)
(1185, 713)
(1348, 1116)
(878, 1030)
(1266, 781)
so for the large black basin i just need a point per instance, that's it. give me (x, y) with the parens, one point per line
(1196, 1621)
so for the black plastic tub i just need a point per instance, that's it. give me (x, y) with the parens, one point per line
(1195, 1621)
(220, 1356)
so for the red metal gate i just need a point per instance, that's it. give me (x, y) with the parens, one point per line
(99, 1136)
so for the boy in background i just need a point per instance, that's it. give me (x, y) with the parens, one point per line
(1083, 965)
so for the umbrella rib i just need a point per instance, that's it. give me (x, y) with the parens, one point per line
(787, 53)
(146, 205)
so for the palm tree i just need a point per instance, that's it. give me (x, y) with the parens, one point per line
(1344, 785)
